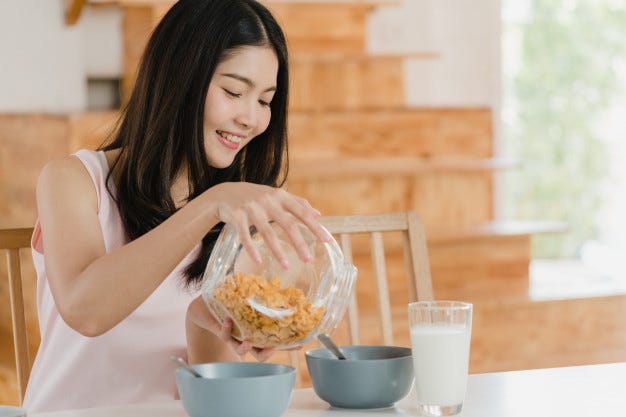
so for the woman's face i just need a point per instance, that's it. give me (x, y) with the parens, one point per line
(237, 106)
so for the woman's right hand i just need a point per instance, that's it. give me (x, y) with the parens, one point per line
(244, 204)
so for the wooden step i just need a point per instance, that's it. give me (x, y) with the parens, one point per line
(421, 132)
(137, 24)
(310, 28)
(545, 334)
(91, 129)
(435, 187)
(27, 142)
(325, 26)
(330, 57)
(375, 83)
(321, 27)
(498, 228)
(306, 169)
(490, 259)
(440, 195)
(410, 132)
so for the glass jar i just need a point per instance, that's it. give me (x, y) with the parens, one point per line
(270, 306)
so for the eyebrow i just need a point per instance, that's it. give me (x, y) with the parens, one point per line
(245, 80)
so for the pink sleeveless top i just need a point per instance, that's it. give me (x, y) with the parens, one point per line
(128, 364)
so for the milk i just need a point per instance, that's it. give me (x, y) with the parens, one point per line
(440, 360)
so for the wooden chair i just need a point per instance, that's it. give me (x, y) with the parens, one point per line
(416, 264)
(416, 261)
(12, 240)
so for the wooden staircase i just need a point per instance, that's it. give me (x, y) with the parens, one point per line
(355, 148)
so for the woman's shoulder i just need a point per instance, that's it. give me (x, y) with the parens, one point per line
(63, 167)
(79, 164)
(65, 177)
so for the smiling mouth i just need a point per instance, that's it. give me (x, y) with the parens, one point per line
(229, 137)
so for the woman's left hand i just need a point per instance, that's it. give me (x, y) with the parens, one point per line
(208, 341)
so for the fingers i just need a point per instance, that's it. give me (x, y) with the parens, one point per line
(291, 227)
(264, 227)
(243, 231)
(225, 330)
(308, 215)
(241, 348)
(288, 211)
(261, 355)
(245, 205)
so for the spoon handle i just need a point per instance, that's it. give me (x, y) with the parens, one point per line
(328, 342)
(183, 364)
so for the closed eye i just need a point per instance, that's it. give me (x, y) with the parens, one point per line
(264, 103)
(230, 93)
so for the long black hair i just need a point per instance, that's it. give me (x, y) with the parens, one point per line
(161, 127)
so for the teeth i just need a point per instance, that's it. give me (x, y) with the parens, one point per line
(229, 137)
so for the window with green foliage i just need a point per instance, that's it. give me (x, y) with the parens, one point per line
(564, 66)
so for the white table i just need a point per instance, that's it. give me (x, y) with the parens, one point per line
(589, 391)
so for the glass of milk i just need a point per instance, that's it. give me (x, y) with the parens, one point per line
(440, 343)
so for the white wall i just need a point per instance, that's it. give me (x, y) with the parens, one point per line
(465, 34)
(44, 64)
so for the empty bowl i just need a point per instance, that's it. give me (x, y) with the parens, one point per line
(371, 377)
(236, 389)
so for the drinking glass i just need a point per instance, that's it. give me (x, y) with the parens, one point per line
(440, 342)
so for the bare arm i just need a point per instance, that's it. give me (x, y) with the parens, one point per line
(95, 290)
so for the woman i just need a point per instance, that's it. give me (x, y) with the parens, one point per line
(125, 232)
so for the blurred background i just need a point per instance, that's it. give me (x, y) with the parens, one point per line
(500, 122)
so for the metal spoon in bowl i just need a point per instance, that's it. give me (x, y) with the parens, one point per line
(183, 364)
(328, 342)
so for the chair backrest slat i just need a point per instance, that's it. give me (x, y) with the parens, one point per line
(12, 240)
(353, 309)
(380, 275)
(416, 263)
(366, 223)
(422, 280)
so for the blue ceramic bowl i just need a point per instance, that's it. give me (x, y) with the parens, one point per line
(10, 411)
(236, 389)
(372, 377)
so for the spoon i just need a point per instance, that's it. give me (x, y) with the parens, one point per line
(328, 342)
(183, 364)
(269, 312)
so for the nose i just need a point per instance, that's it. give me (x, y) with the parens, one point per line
(247, 114)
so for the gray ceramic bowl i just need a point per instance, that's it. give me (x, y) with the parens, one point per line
(372, 377)
(236, 389)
